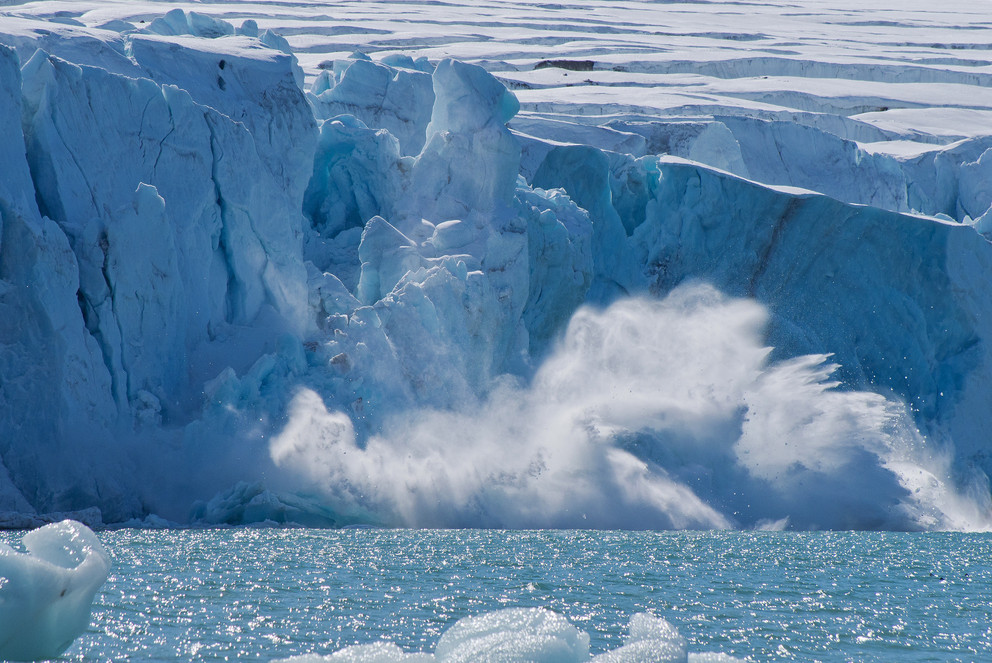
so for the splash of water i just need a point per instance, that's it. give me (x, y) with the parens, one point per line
(648, 414)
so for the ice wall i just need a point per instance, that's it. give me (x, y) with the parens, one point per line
(166, 240)
(842, 157)
(914, 329)
(57, 399)
(232, 300)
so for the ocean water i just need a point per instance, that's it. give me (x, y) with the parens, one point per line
(235, 594)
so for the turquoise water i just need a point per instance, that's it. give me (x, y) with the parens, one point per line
(179, 595)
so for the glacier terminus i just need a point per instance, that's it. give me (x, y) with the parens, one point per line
(321, 267)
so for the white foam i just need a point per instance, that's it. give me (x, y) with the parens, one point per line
(648, 414)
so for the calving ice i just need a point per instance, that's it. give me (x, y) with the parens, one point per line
(393, 297)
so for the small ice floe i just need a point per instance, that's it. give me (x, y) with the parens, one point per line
(46, 591)
(530, 635)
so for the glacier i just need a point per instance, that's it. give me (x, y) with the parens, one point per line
(243, 286)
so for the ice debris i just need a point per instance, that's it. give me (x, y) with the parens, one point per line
(529, 635)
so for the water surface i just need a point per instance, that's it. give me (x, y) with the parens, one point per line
(232, 594)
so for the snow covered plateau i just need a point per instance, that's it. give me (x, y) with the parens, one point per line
(500, 263)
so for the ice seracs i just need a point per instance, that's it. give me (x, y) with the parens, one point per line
(46, 592)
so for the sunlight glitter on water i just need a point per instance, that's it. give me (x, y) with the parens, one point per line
(267, 594)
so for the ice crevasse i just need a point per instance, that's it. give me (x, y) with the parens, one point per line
(321, 306)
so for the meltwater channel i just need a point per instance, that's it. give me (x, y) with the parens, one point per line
(264, 594)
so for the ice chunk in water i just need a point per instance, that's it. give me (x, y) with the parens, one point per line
(378, 652)
(649, 638)
(531, 635)
(46, 592)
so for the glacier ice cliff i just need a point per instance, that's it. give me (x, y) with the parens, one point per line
(229, 299)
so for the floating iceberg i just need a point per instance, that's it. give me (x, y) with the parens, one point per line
(529, 635)
(47, 590)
